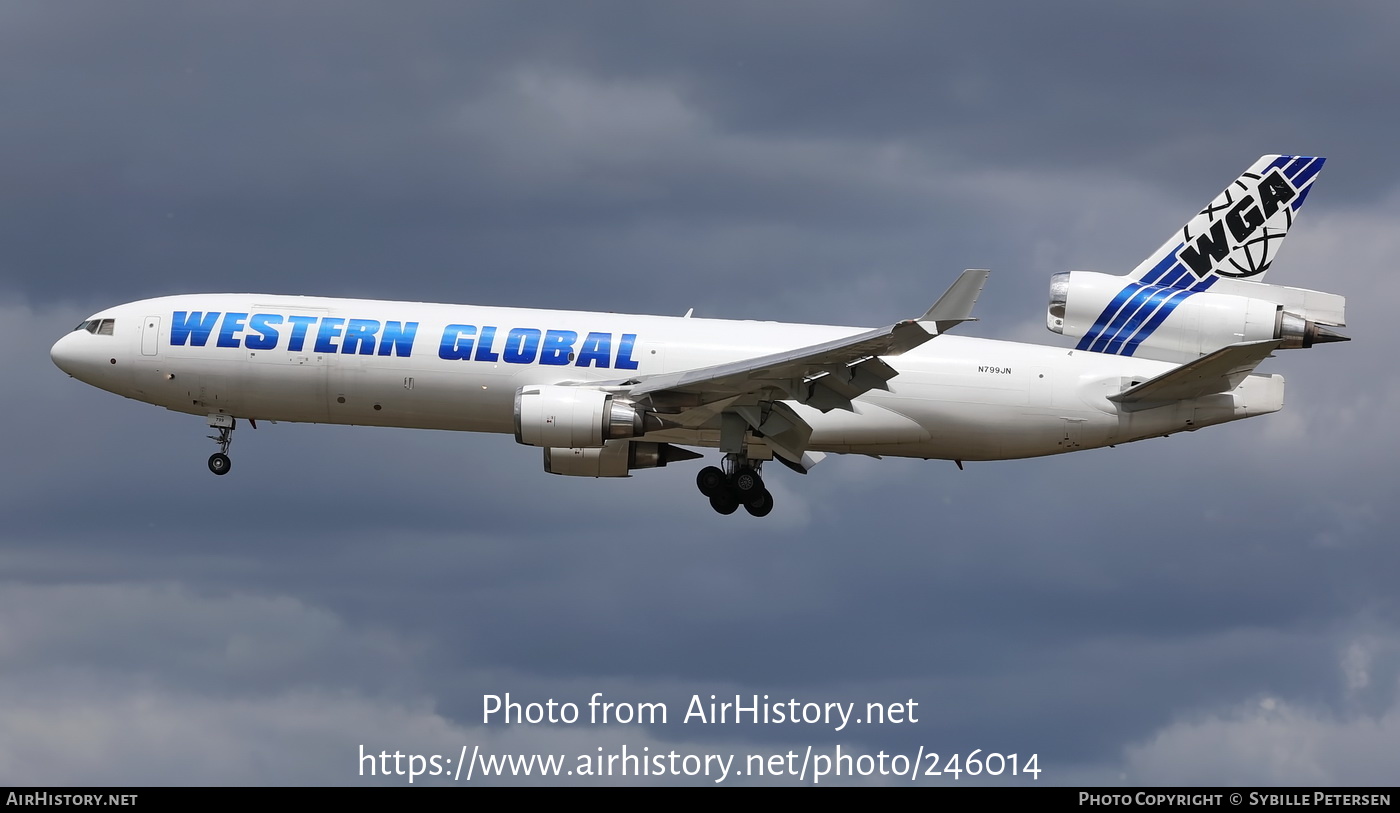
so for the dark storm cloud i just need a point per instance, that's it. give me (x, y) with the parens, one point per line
(305, 148)
(1118, 611)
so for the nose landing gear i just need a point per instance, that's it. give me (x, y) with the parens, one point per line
(224, 426)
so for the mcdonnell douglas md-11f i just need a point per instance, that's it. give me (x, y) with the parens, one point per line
(1169, 347)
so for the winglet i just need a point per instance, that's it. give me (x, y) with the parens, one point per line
(955, 306)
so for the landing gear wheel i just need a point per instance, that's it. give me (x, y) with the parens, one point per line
(710, 481)
(746, 483)
(219, 463)
(761, 505)
(223, 426)
(724, 502)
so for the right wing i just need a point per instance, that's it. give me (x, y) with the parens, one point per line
(826, 375)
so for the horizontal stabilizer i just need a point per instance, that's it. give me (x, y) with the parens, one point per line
(1217, 372)
(955, 306)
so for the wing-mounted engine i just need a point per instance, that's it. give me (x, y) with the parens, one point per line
(614, 458)
(1127, 317)
(577, 417)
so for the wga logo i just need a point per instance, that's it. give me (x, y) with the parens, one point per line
(1239, 224)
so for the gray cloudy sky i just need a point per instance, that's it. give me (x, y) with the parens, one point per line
(1211, 608)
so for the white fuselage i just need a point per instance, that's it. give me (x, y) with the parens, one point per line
(458, 367)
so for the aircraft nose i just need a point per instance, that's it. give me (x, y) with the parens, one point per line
(75, 355)
(65, 354)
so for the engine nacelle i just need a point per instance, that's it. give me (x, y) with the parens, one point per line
(573, 417)
(1115, 315)
(614, 458)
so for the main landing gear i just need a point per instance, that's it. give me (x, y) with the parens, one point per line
(224, 425)
(738, 483)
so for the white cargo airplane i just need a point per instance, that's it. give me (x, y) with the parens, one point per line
(1169, 347)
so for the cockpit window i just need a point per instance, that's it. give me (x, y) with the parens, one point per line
(98, 327)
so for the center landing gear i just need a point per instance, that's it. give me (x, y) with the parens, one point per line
(738, 483)
(224, 425)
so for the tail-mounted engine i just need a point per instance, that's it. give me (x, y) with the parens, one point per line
(1121, 316)
(576, 418)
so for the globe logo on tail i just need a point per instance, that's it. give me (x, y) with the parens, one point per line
(1238, 234)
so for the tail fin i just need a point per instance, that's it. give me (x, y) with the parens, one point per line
(1239, 233)
(1162, 309)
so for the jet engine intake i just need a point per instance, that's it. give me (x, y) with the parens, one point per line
(576, 417)
(614, 458)
(1112, 315)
